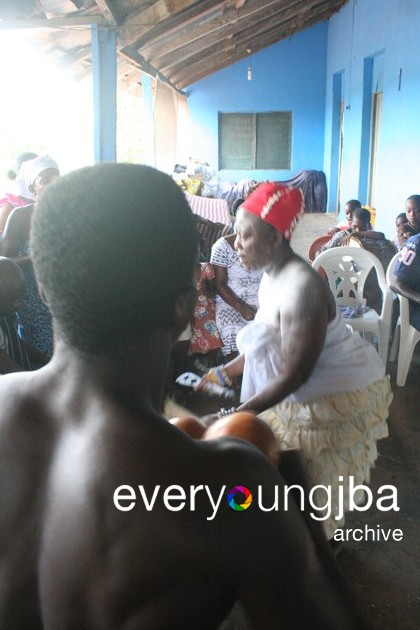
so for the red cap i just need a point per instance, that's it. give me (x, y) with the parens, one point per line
(276, 204)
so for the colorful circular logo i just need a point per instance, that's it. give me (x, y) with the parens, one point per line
(239, 498)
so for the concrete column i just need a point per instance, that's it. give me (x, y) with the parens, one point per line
(104, 72)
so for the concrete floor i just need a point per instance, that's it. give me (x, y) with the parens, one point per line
(385, 574)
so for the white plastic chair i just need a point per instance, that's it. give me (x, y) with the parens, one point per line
(346, 269)
(405, 334)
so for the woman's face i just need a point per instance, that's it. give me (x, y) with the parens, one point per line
(253, 240)
(413, 213)
(43, 180)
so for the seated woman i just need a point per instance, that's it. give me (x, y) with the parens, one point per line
(21, 195)
(35, 324)
(205, 340)
(237, 293)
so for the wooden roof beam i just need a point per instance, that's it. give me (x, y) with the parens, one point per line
(210, 22)
(149, 32)
(202, 67)
(147, 68)
(108, 12)
(215, 36)
(237, 45)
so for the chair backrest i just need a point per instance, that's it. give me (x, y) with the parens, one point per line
(209, 233)
(404, 303)
(316, 246)
(346, 269)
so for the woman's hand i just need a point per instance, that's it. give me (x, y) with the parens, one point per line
(247, 312)
(223, 374)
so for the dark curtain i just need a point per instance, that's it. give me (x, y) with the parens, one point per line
(314, 188)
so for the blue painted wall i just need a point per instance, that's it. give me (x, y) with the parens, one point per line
(369, 42)
(288, 76)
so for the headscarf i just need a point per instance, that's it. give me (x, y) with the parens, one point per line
(30, 170)
(276, 204)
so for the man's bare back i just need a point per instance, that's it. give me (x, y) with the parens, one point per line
(97, 566)
(110, 517)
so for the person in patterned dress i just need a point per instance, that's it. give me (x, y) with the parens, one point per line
(237, 293)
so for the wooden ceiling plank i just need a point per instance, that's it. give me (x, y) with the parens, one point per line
(195, 30)
(214, 18)
(108, 11)
(168, 26)
(201, 71)
(253, 24)
(63, 22)
(201, 67)
(147, 68)
(236, 47)
(57, 8)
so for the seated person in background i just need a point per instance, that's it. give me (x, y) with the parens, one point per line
(350, 206)
(360, 235)
(22, 195)
(237, 293)
(74, 553)
(412, 210)
(406, 277)
(15, 354)
(401, 229)
(35, 324)
(205, 340)
(360, 223)
(208, 233)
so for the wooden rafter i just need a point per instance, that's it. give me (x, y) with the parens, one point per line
(178, 41)
(147, 68)
(108, 11)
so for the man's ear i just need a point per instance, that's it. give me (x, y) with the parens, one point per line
(278, 237)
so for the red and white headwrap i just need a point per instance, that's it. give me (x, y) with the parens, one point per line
(277, 204)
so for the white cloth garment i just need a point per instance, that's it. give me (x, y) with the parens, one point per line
(346, 362)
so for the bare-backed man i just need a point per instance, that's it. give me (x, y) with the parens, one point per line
(110, 517)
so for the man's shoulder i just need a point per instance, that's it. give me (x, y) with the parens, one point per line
(19, 395)
(414, 242)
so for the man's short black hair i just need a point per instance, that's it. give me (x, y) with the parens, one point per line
(113, 246)
(363, 215)
(416, 199)
(353, 204)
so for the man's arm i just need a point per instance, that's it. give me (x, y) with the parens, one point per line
(398, 286)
